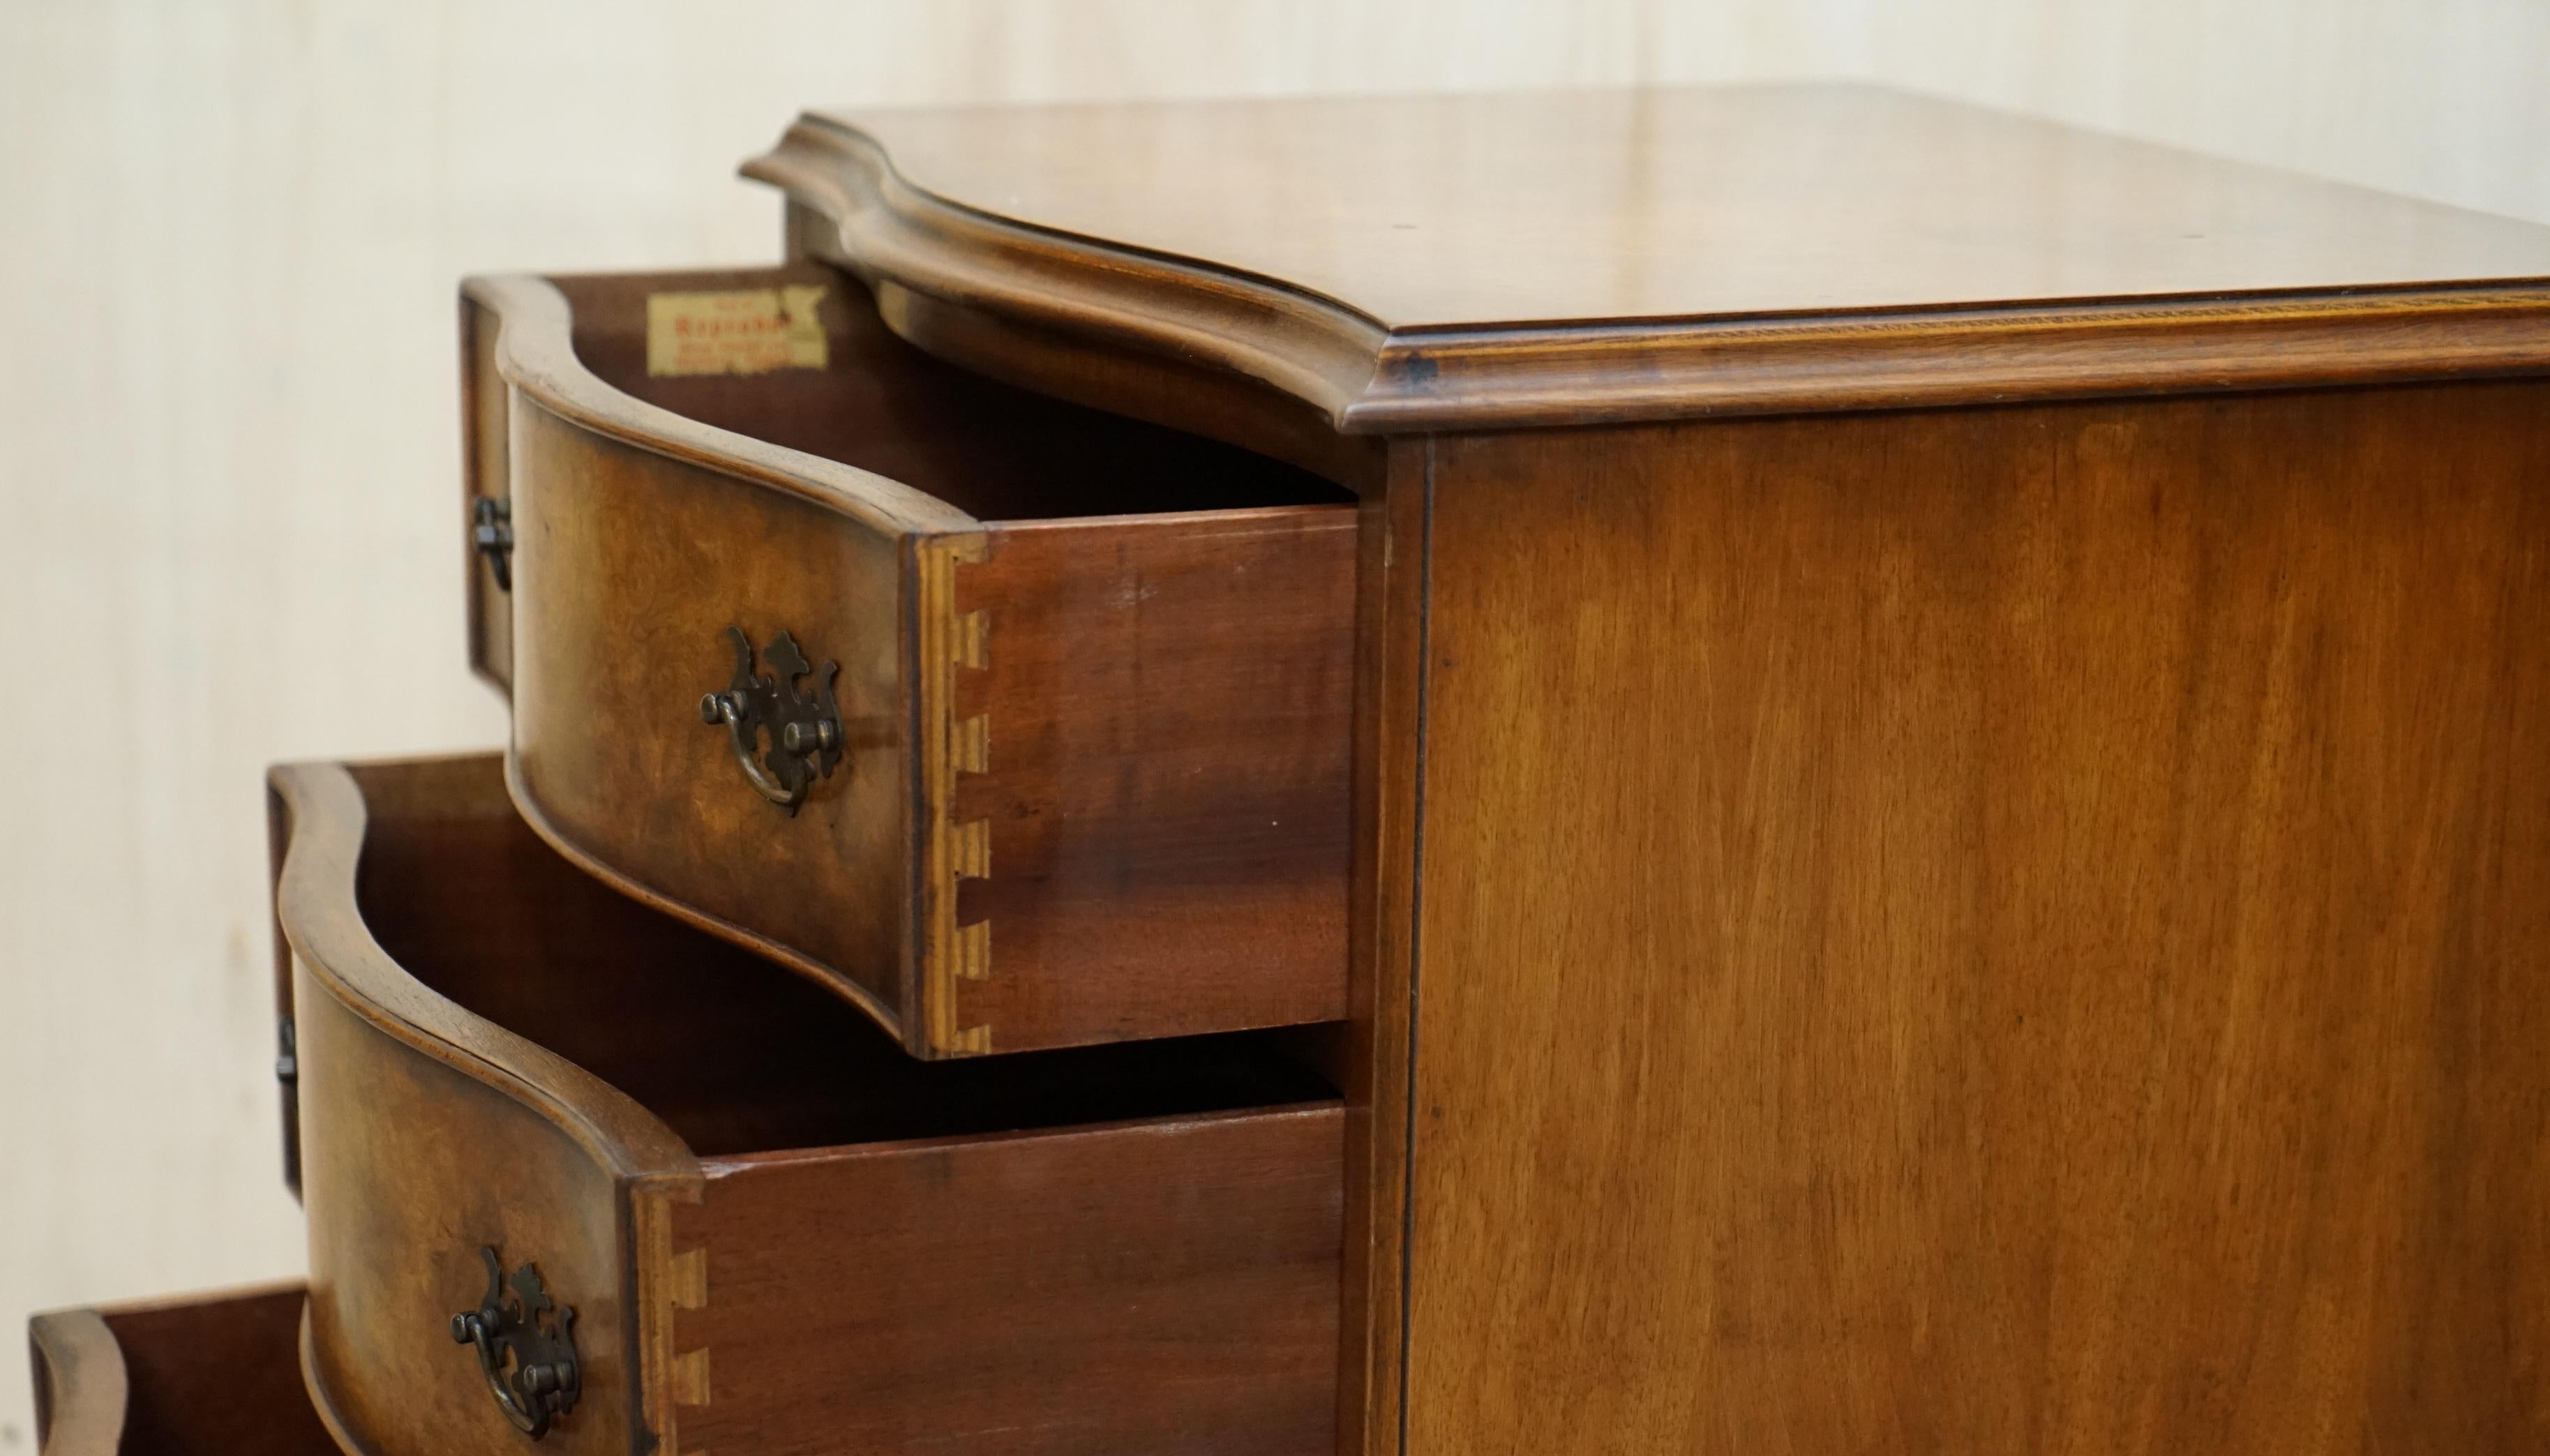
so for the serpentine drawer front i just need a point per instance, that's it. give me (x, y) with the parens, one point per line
(580, 1176)
(208, 1376)
(1045, 747)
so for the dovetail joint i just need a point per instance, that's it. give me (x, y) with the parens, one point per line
(686, 1284)
(969, 850)
(973, 951)
(673, 1279)
(973, 637)
(686, 1287)
(687, 1375)
(953, 642)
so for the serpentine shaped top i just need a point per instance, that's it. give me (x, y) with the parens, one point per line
(1548, 258)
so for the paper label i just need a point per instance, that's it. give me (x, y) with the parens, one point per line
(750, 331)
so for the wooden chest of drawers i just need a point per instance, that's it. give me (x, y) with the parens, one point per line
(1704, 771)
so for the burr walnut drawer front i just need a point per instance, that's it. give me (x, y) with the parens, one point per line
(578, 1173)
(1019, 724)
(213, 1375)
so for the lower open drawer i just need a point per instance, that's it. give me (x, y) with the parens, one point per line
(214, 1374)
(577, 1173)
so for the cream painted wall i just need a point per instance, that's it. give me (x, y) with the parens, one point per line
(229, 235)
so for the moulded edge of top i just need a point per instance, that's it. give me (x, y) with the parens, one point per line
(1366, 378)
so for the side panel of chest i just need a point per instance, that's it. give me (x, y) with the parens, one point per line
(1988, 929)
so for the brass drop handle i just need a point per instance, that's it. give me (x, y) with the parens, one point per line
(804, 723)
(529, 1363)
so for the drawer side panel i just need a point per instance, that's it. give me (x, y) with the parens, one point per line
(1162, 714)
(1165, 1288)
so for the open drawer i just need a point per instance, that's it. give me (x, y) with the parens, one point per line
(1019, 724)
(576, 1171)
(213, 1375)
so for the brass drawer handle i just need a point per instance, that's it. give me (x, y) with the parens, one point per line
(530, 1366)
(804, 723)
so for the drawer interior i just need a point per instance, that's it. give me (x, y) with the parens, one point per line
(994, 451)
(735, 1053)
(209, 1375)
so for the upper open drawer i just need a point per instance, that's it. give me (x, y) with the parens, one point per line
(1019, 723)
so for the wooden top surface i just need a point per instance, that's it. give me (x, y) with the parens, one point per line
(1447, 212)
(1497, 234)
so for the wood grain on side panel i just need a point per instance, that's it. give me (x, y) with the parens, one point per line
(1165, 1287)
(1991, 931)
(1165, 707)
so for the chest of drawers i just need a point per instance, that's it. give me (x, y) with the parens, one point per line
(1779, 769)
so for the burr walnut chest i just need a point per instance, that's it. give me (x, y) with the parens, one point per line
(1747, 770)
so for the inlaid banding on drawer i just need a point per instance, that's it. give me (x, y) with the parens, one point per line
(1090, 681)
